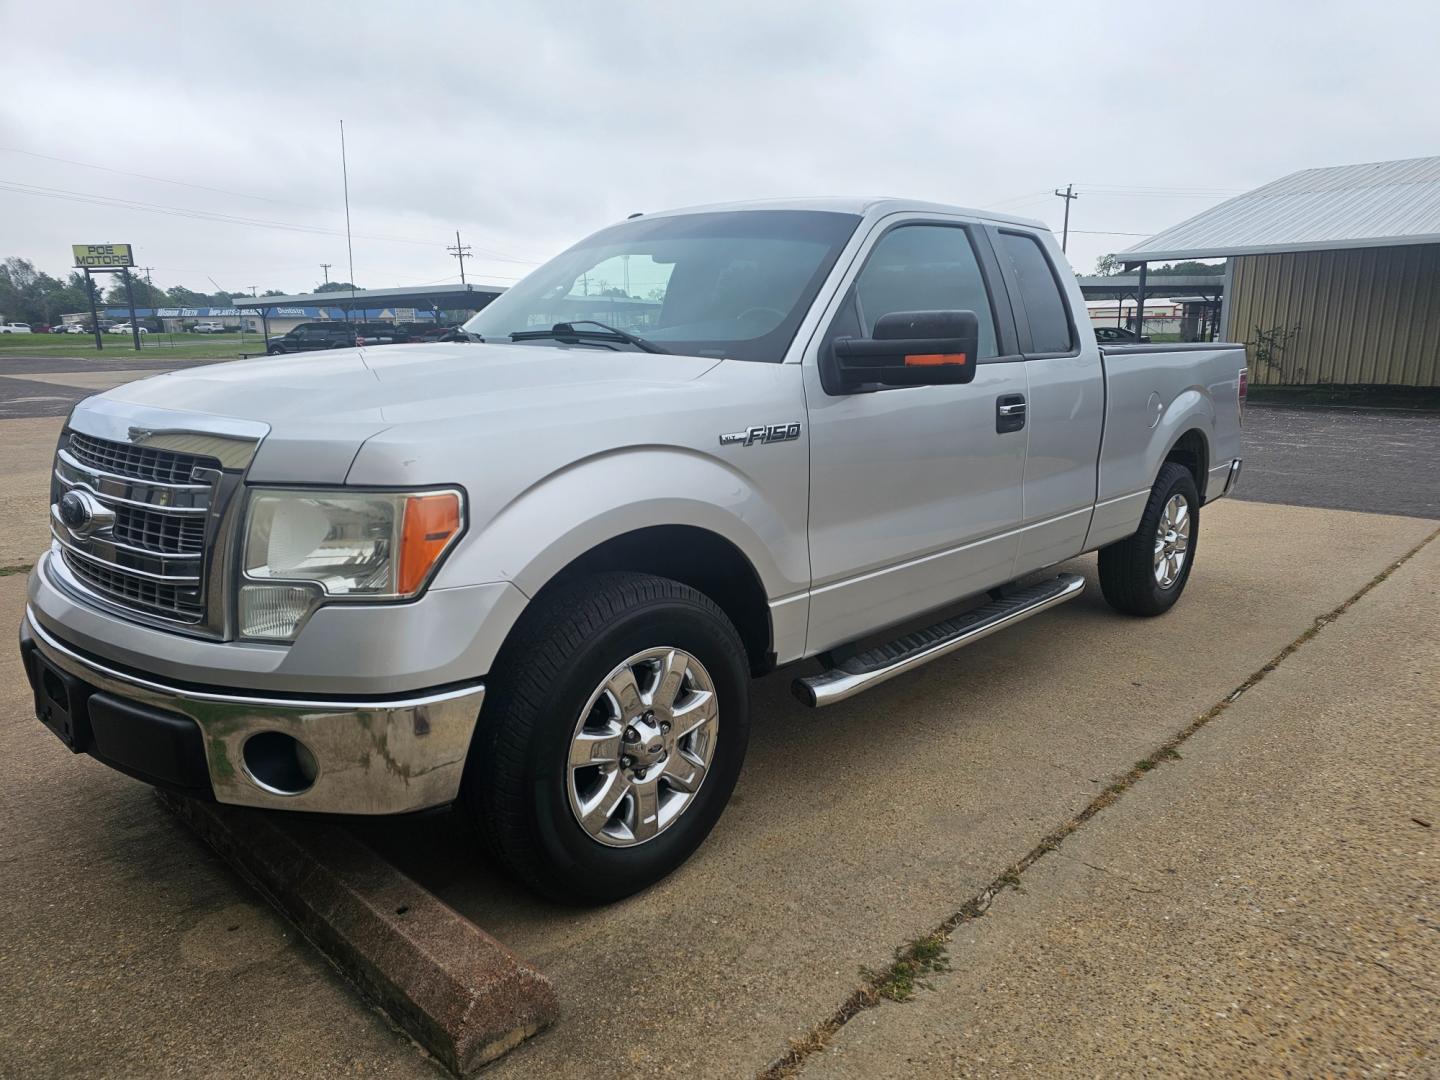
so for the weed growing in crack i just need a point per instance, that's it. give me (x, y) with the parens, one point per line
(913, 962)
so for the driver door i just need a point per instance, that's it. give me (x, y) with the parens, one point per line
(915, 492)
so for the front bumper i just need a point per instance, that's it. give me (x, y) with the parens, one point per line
(385, 755)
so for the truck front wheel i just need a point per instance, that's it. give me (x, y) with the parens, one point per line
(612, 735)
(1144, 574)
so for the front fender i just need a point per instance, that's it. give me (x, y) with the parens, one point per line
(561, 517)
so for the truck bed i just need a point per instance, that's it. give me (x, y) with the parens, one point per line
(1154, 393)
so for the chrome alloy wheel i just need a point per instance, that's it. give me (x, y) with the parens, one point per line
(642, 747)
(1172, 541)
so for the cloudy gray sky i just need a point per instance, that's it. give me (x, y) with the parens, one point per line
(525, 125)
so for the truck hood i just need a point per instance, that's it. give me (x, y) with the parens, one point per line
(321, 407)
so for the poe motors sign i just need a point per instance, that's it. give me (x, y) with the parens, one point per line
(103, 256)
(107, 259)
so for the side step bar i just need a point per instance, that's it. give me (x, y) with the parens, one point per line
(882, 663)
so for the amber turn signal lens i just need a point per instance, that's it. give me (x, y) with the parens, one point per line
(934, 359)
(431, 522)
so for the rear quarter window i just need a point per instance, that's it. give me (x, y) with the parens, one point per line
(1040, 296)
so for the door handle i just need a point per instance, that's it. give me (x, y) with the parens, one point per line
(1009, 412)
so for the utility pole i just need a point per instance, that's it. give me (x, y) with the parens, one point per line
(1069, 196)
(326, 268)
(461, 252)
(150, 295)
(130, 297)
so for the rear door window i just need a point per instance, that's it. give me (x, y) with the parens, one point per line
(1040, 300)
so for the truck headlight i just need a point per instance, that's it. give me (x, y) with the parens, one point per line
(304, 547)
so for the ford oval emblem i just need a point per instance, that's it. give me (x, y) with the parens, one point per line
(74, 513)
(82, 514)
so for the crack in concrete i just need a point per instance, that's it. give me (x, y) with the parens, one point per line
(1135, 884)
(868, 995)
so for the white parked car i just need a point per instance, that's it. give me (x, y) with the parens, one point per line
(74, 328)
(14, 328)
(208, 328)
(124, 328)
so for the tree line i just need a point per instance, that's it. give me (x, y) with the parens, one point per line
(32, 296)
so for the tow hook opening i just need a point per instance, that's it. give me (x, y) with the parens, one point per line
(280, 763)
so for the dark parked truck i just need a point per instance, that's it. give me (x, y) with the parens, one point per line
(532, 571)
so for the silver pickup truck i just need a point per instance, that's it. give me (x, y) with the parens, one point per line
(533, 571)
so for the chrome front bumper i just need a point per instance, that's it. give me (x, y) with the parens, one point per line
(371, 755)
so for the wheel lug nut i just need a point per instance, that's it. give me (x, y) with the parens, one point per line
(639, 774)
(665, 726)
(631, 735)
(626, 761)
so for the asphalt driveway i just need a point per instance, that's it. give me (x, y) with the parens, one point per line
(1378, 461)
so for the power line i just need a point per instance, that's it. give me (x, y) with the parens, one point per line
(94, 199)
(161, 179)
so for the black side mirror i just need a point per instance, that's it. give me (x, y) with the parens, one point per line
(910, 348)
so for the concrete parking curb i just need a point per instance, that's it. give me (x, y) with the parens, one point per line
(461, 994)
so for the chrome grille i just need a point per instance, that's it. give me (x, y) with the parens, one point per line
(159, 532)
(152, 558)
(181, 603)
(140, 462)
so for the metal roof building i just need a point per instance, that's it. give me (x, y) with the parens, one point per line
(1333, 274)
(430, 297)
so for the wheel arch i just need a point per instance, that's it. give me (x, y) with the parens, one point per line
(704, 560)
(1192, 450)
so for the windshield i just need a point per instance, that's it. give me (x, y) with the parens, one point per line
(731, 284)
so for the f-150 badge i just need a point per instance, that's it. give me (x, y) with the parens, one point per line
(763, 433)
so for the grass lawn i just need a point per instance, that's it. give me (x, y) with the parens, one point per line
(153, 346)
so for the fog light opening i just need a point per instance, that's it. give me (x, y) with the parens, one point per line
(280, 763)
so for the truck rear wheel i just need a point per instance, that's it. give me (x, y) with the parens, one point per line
(611, 738)
(1145, 574)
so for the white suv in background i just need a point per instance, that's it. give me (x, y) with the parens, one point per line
(14, 328)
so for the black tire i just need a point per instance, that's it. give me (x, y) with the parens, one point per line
(516, 777)
(1127, 567)
(275, 350)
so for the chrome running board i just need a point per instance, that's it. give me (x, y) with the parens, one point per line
(883, 662)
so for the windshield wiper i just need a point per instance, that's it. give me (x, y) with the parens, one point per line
(563, 330)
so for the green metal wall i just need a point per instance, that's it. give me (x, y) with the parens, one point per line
(1370, 316)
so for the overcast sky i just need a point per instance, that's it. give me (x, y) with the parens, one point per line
(527, 125)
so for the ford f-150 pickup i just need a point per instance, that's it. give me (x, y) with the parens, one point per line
(532, 571)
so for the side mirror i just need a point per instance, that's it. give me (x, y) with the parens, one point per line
(910, 348)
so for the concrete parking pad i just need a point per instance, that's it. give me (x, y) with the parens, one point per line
(128, 950)
(854, 829)
(1266, 905)
(857, 828)
(464, 997)
(27, 450)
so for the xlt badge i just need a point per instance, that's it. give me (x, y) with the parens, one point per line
(763, 433)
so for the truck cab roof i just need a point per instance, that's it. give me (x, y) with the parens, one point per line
(861, 206)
